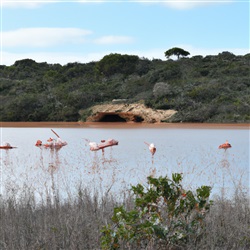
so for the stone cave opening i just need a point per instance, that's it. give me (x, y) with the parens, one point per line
(112, 118)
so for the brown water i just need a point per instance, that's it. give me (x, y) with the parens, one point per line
(188, 148)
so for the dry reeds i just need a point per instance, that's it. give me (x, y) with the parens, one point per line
(76, 224)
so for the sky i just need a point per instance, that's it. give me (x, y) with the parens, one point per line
(85, 31)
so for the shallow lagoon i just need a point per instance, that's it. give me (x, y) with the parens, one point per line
(191, 149)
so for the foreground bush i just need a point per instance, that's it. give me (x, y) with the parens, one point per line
(165, 215)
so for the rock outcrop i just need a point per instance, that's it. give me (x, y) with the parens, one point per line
(136, 112)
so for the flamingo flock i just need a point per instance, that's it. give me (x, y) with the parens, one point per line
(94, 146)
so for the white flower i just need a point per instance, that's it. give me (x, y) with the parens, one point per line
(157, 221)
(180, 236)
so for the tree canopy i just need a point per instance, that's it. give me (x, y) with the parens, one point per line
(176, 52)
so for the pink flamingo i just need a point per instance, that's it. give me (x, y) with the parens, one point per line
(104, 144)
(151, 148)
(225, 145)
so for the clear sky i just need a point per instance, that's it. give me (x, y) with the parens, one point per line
(84, 31)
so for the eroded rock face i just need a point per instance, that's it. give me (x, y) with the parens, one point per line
(128, 113)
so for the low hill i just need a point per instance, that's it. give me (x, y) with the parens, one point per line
(196, 89)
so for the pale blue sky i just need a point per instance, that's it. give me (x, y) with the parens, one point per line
(85, 31)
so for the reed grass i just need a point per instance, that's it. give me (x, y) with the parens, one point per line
(76, 222)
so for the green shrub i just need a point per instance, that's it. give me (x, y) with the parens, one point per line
(164, 215)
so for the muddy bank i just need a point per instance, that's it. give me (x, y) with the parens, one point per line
(124, 125)
(40, 124)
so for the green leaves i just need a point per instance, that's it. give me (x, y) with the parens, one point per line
(203, 192)
(177, 178)
(164, 213)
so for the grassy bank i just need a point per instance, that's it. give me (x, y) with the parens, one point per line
(76, 223)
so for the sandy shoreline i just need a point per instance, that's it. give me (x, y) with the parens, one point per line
(123, 125)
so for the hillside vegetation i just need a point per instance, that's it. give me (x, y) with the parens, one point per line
(200, 89)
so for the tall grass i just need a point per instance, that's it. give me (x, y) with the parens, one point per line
(228, 223)
(76, 222)
(54, 224)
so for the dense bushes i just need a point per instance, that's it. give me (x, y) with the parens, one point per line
(116, 63)
(201, 89)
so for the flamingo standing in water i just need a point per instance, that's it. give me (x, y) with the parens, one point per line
(104, 144)
(151, 148)
(52, 143)
(225, 145)
(6, 146)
